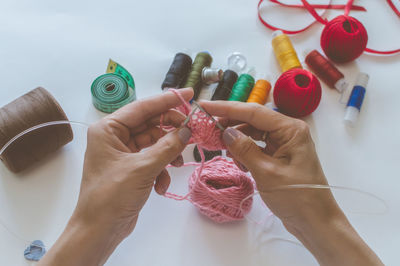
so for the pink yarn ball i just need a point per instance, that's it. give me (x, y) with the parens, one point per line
(205, 133)
(220, 189)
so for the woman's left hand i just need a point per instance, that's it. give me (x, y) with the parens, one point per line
(126, 155)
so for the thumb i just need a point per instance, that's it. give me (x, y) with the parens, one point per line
(244, 149)
(168, 148)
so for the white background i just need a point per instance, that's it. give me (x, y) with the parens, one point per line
(65, 45)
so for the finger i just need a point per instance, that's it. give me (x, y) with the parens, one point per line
(144, 139)
(240, 166)
(245, 151)
(270, 148)
(167, 148)
(170, 118)
(251, 131)
(226, 122)
(255, 134)
(178, 162)
(162, 182)
(256, 115)
(136, 113)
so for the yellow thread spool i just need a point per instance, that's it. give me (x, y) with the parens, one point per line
(259, 93)
(284, 51)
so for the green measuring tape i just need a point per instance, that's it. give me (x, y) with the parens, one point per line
(113, 90)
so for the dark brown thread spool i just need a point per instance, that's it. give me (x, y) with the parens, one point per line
(35, 107)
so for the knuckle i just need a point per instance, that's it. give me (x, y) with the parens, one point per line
(255, 109)
(302, 128)
(170, 146)
(245, 148)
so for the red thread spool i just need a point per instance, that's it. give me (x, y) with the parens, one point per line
(325, 70)
(344, 39)
(297, 92)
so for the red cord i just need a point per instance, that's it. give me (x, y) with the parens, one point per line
(393, 7)
(328, 6)
(348, 7)
(317, 6)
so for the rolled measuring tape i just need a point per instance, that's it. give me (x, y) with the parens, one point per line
(113, 90)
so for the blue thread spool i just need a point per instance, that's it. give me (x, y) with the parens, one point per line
(356, 99)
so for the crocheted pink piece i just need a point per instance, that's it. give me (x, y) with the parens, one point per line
(219, 190)
(205, 133)
(217, 187)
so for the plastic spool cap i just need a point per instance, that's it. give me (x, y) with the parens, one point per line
(251, 71)
(351, 115)
(277, 33)
(341, 85)
(362, 80)
(265, 76)
(237, 62)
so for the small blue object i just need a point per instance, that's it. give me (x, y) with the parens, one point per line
(357, 97)
(35, 251)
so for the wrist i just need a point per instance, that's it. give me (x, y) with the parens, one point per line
(333, 241)
(82, 243)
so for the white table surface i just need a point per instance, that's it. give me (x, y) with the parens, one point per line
(65, 45)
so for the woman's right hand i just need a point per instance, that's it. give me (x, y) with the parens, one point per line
(289, 158)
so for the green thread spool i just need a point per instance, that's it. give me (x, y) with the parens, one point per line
(110, 92)
(242, 88)
(194, 80)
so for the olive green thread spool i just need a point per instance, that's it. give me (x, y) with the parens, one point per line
(194, 79)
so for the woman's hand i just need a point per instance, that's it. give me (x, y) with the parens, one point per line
(288, 158)
(118, 176)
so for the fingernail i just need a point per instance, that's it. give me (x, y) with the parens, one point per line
(230, 135)
(184, 134)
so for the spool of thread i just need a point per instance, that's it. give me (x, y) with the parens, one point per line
(219, 190)
(110, 92)
(178, 71)
(201, 61)
(344, 39)
(35, 107)
(259, 93)
(297, 93)
(211, 75)
(224, 87)
(241, 89)
(326, 71)
(356, 99)
(284, 51)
